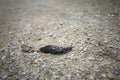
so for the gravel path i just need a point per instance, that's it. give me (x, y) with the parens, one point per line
(91, 26)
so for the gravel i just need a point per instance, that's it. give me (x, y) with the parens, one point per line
(92, 27)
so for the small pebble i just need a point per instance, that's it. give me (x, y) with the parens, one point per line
(91, 58)
(4, 77)
(85, 49)
(115, 14)
(103, 75)
(26, 48)
(111, 75)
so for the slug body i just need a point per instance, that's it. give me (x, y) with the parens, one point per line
(55, 49)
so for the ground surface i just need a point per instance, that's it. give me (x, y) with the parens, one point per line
(91, 26)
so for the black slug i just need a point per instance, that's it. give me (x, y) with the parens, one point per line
(55, 49)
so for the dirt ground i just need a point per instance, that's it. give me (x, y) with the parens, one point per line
(91, 26)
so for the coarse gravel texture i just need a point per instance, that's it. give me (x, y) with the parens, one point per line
(91, 26)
